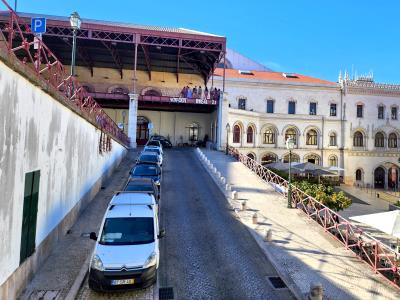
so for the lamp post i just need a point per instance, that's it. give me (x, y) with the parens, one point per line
(75, 22)
(290, 146)
(228, 129)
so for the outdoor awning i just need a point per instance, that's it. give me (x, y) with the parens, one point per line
(387, 222)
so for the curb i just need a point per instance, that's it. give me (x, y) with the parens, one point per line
(73, 291)
(288, 281)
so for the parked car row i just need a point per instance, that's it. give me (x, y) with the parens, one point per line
(126, 255)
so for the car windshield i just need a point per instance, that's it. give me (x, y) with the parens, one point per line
(139, 187)
(153, 143)
(127, 231)
(152, 158)
(155, 150)
(145, 170)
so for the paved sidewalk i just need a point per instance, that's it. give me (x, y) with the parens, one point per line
(366, 203)
(363, 202)
(57, 275)
(302, 252)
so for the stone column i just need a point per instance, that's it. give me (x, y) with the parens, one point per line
(386, 179)
(133, 107)
(222, 121)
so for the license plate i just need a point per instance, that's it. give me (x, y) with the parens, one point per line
(122, 281)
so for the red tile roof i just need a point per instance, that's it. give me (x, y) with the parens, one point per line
(271, 76)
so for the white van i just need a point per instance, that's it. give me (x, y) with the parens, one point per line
(126, 255)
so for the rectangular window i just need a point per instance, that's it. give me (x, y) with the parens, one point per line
(360, 111)
(381, 112)
(394, 113)
(313, 108)
(333, 110)
(332, 140)
(270, 106)
(242, 104)
(292, 108)
(29, 215)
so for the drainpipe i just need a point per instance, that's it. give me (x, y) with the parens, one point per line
(341, 149)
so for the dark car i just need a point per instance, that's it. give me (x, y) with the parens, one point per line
(147, 171)
(145, 185)
(166, 143)
(148, 158)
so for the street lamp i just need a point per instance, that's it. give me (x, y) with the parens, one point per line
(75, 22)
(290, 145)
(228, 129)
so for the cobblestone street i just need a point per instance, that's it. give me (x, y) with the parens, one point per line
(207, 253)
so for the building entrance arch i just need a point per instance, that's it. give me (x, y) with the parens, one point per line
(142, 130)
(379, 178)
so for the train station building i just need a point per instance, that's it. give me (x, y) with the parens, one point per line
(137, 74)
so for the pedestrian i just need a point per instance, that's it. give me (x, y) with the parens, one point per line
(189, 93)
(215, 94)
(195, 92)
(206, 93)
(199, 92)
(183, 92)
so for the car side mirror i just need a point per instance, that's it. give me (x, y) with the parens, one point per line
(93, 236)
(161, 234)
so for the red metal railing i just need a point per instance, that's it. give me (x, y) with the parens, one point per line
(379, 256)
(31, 51)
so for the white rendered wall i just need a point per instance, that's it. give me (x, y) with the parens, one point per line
(39, 133)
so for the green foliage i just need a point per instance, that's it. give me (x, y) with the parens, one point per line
(325, 194)
(397, 203)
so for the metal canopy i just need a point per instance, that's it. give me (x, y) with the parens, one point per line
(112, 45)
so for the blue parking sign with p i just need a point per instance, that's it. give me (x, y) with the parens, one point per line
(38, 25)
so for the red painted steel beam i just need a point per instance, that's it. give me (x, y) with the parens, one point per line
(147, 59)
(115, 56)
(82, 53)
(178, 57)
(196, 68)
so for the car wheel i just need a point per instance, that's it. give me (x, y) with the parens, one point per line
(94, 287)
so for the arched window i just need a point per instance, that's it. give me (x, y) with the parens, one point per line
(236, 134)
(312, 158)
(152, 92)
(250, 134)
(358, 175)
(294, 158)
(332, 139)
(291, 133)
(392, 141)
(311, 137)
(358, 139)
(269, 158)
(333, 161)
(269, 136)
(88, 88)
(251, 155)
(379, 140)
(119, 90)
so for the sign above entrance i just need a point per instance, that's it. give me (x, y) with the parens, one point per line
(178, 100)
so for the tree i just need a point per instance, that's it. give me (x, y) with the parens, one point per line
(325, 194)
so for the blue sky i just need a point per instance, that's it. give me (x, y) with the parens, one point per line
(312, 37)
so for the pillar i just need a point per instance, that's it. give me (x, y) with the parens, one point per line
(386, 179)
(222, 121)
(133, 107)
